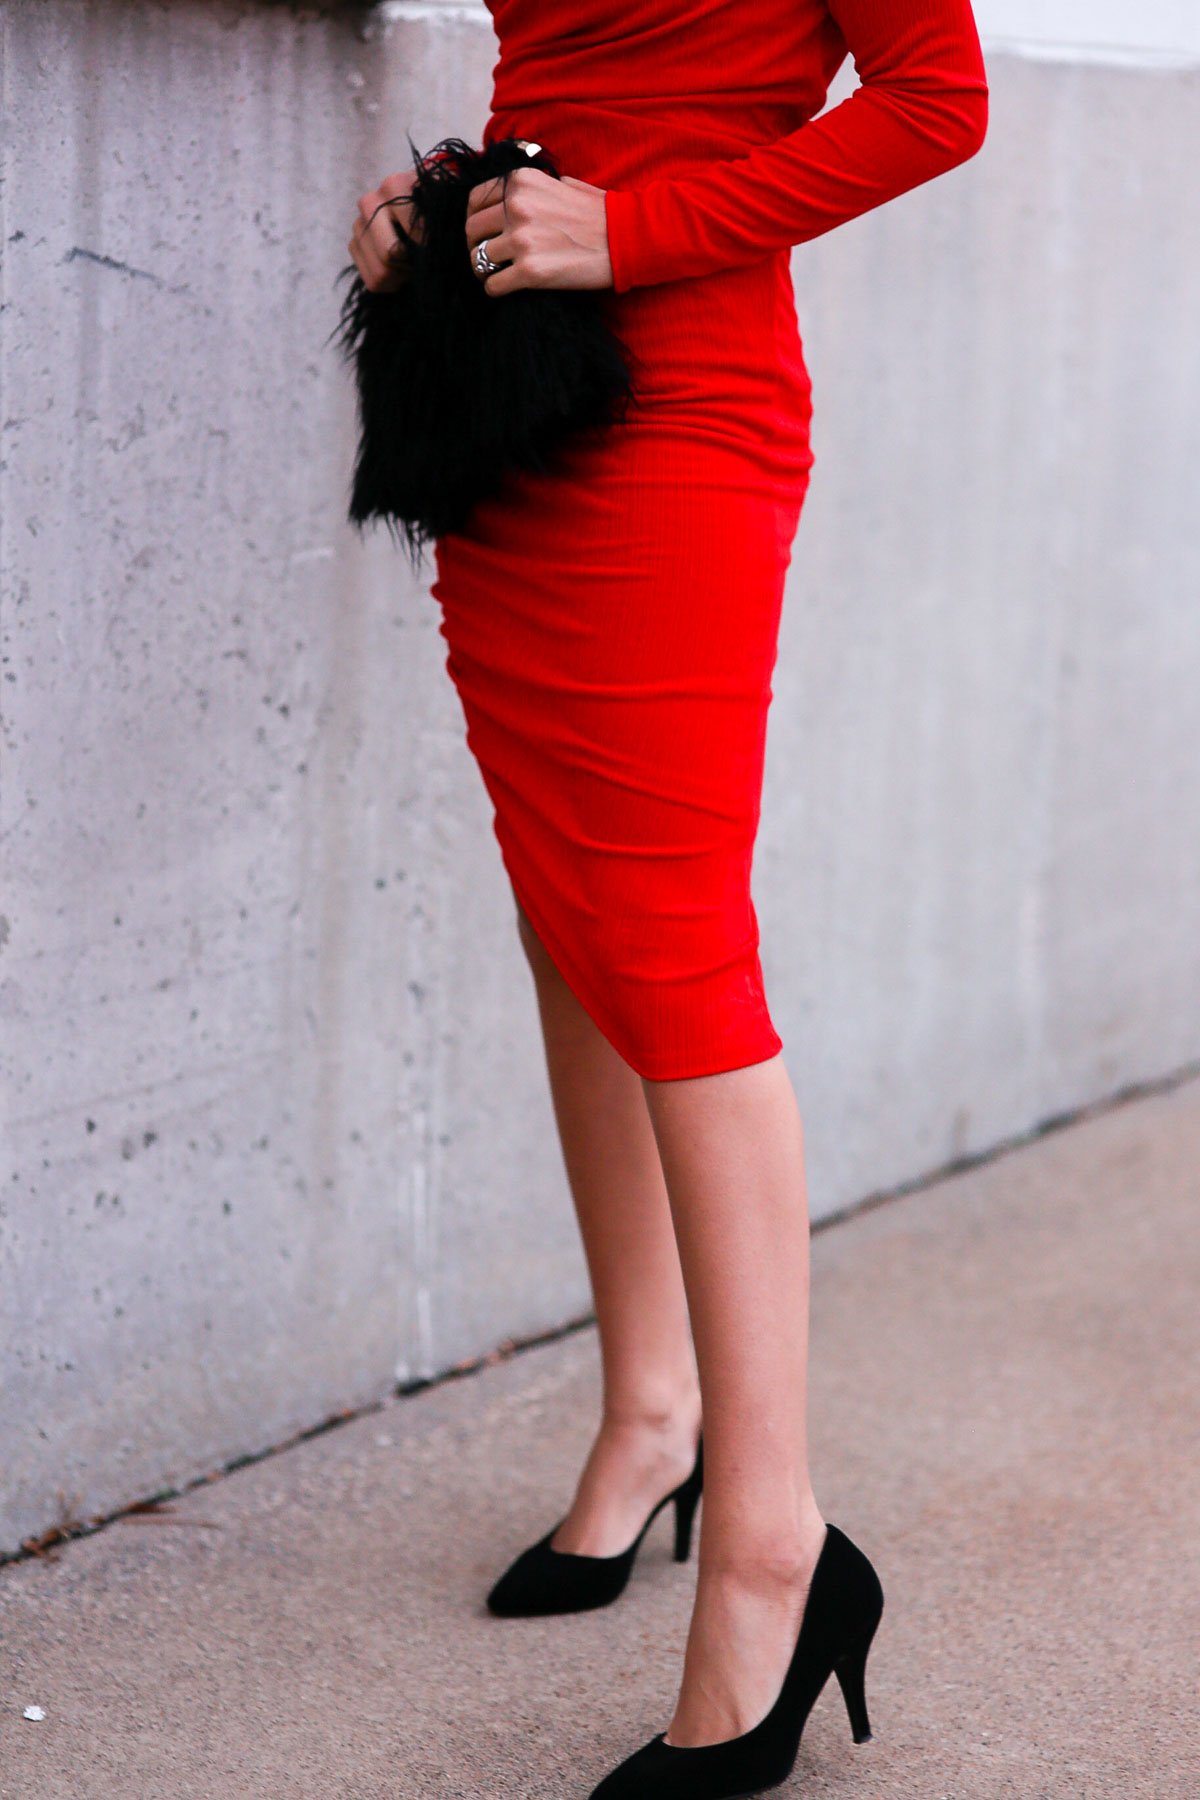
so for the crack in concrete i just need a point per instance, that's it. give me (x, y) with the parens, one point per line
(77, 254)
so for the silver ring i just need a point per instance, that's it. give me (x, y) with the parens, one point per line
(483, 263)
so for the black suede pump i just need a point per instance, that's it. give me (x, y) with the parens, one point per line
(841, 1613)
(544, 1580)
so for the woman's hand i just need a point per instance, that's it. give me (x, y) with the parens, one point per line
(551, 232)
(378, 250)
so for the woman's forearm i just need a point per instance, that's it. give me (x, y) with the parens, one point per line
(922, 107)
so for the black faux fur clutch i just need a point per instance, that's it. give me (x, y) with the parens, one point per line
(455, 387)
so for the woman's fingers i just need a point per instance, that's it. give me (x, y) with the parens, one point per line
(370, 265)
(376, 243)
(384, 215)
(504, 281)
(540, 231)
(397, 191)
(485, 194)
(503, 212)
(489, 222)
(501, 237)
(494, 208)
(366, 258)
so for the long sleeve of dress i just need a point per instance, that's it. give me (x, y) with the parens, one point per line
(921, 108)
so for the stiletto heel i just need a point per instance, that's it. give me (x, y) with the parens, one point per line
(544, 1580)
(850, 1673)
(841, 1613)
(687, 1498)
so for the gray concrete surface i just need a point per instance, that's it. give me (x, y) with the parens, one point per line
(275, 1127)
(1004, 1402)
(275, 1131)
(1159, 30)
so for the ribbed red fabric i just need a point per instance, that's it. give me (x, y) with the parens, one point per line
(612, 625)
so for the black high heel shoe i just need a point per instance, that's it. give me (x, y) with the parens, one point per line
(841, 1613)
(544, 1580)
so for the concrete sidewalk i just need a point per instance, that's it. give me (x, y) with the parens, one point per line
(1004, 1397)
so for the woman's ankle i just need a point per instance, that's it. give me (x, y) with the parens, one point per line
(766, 1563)
(662, 1414)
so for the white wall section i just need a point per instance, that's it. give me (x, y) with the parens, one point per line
(1112, 29)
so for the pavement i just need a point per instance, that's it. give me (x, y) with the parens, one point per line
(1005, 1373)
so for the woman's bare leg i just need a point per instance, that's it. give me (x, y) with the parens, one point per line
(732, 1149)
(651, 1407)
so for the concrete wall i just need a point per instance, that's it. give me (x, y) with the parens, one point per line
(1125, 31)
(276, 1128)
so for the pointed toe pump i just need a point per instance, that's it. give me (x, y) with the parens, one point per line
(544, 1580)
(841, 1613)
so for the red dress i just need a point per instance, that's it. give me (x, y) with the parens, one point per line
(612, 624)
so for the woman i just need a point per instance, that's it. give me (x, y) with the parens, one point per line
(612, 631)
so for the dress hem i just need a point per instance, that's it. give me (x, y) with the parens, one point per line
(652, 1069)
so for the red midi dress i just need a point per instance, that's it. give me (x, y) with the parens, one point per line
(612, 623)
